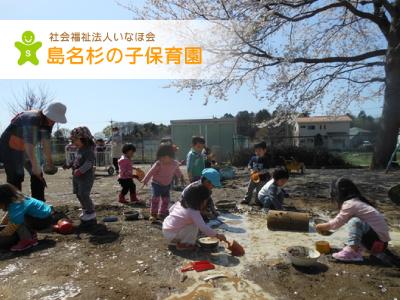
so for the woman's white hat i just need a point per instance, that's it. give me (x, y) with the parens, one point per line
(56, 112)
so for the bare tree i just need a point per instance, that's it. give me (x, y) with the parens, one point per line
(303, 54)
(31, 99)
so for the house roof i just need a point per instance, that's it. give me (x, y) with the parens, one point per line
(324, 119)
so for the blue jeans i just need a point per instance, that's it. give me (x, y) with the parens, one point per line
(159, 190)
(357, 230)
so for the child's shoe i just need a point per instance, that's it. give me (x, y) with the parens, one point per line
(185, 247)
(161, 217)
(88, 217)
(135, 200)
(153, 218)
(347, 254)
(35, 237)
(24, 245)
(121, 199)
(245, 201)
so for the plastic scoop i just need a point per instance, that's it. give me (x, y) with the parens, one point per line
(198, 266)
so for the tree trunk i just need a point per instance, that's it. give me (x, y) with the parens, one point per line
(390, 121)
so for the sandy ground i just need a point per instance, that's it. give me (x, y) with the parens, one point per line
(130, 260)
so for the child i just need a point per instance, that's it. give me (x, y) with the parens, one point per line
(368, 227)
(271, 195)
(162, 173)
(258, 163)
(182, 225)
(24, 216)
(116, 146)
(210, 178)
(100, 152)
(82, 171)
(195, 160)
(125, 177)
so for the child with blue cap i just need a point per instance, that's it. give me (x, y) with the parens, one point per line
(210, 178)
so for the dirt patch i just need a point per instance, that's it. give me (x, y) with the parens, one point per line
(130, 259)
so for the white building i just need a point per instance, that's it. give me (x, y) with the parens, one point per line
(331, 132)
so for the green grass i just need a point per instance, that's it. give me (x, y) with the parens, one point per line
(360, 159)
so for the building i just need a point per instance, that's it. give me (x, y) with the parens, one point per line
(358, 136)
(218, 133)
(331, 132)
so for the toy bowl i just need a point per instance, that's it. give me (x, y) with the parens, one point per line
(209, 243)
(131, 215)
(302, 256)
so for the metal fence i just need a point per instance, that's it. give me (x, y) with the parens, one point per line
(146, 150)
(333, 142)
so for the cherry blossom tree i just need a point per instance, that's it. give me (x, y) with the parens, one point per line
(299, 55)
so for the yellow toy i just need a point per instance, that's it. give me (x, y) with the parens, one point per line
(292, 165)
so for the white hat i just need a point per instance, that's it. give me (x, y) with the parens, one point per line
(56, 112)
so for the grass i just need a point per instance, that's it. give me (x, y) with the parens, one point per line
(360, 159)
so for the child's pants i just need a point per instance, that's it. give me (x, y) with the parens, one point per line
(361, 234)
(187, 235)
(267, 203)
(250, 190)
(163, 192)
(82, 186)
(127, 186)
(32, 224)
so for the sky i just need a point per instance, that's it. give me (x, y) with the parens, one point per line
(95, 103)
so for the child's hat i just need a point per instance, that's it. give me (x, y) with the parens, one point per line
(213, 176)
(81, 133)
(56, 112)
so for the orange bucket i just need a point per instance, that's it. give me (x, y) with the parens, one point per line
(323, 247)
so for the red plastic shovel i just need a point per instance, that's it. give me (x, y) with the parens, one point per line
(198, 266)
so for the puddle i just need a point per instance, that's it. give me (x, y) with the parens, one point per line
(222, 289)
(47, 292)
(9, 269)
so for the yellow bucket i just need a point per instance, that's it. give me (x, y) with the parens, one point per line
(323, 247)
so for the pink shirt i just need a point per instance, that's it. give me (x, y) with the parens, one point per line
(179, 217)
(163, 174)
(366, 213)
(125, 167)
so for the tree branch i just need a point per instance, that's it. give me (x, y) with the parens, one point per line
(332, 59)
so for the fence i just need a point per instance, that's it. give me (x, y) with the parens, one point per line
(146, 150)
(332, 142)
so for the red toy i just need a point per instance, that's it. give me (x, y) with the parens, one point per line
(198, 266)
(64, 226)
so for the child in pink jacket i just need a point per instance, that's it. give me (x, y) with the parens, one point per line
(161, 174)
(182, 225)
(368, 228)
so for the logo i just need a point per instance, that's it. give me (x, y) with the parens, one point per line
(28, 48)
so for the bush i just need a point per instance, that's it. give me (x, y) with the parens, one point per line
(311, 157)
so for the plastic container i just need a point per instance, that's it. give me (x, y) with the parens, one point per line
(302, 256)
(323, 247)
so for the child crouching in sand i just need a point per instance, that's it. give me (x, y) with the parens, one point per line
(182, 225)
(368, 228)
(24, 216)
(271, 195)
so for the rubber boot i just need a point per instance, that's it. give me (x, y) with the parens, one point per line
(121, 199)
